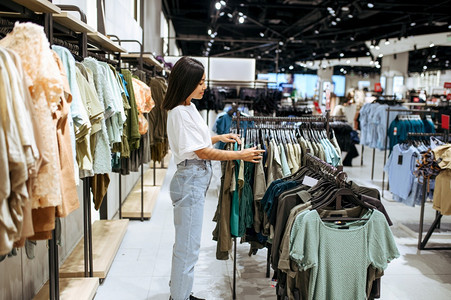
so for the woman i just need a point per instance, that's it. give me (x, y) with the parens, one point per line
(191, 145)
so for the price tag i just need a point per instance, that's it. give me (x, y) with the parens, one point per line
(309, 181)
(400, 160)
(395, 131)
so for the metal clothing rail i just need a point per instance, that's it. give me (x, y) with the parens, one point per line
(420, 111)
(238, 118)
(140, 66)
(436, 223)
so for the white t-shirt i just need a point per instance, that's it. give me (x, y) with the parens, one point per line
(187, 132)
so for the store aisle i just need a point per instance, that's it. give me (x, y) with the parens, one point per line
(142, 266)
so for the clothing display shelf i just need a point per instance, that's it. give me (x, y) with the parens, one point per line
(438, 216)
(51, 16)
(416, 111)
(258, 119)
(39, 6)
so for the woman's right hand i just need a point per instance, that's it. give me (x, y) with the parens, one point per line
(251, 154)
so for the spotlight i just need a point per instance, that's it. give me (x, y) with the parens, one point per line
(378, 66)
(425, 67)
(348, 61)
(333, 23)
(368, 53)
(345, 8)
(350, 16)
(434, 56)
(314, 53)
(262, 34)
(241, 20)
(352, 38)
(342, 54)
(387, 42)
(230, 15)
(380, 55)
(223, 3)
(372, 46)
(240, 14)
(209, 32)
(218, 5)
(370, 5)
(413, 24)
(371, 62)
(281, 43)
(291, 67)
(338, 19)
(377, 47)
(316, 31)
(221, 13)
(431, 45)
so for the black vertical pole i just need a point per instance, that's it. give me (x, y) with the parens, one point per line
(385, 152)
(120, 195)
(372, 167)
(423, 201)
(51, 268)
(85, 222)
(142, 192)
(88, 199)
(56, 266)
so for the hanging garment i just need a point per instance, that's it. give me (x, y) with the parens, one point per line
(321, 246)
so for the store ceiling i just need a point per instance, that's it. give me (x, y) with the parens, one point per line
(279, 33)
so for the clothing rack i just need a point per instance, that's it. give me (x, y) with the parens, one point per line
(140, 66)
(420, 111)
(238, 118)
(438, 216)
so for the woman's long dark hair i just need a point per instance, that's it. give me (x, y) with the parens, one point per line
(185, 76)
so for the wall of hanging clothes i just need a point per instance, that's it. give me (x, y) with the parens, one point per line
(66, 118)
(404, 124)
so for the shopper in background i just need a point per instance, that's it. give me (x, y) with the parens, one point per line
(192, 146)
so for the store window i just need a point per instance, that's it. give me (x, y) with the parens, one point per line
(340, 85)
(398, 86)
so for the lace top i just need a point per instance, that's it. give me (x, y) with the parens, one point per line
(44, 83)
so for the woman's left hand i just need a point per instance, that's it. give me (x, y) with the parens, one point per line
(230, 138)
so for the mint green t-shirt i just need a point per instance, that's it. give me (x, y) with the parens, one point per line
(338, 259)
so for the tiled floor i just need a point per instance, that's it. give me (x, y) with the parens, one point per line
(142, 266)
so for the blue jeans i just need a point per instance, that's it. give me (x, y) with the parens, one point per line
(188, 189)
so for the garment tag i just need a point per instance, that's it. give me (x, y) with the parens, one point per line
(395, 131)
(336, 215)
(343, 227)
(309, 181)
(400, 160)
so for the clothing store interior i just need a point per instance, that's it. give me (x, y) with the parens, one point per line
(349, 99)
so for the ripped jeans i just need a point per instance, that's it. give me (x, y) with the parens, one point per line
(188, 189)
